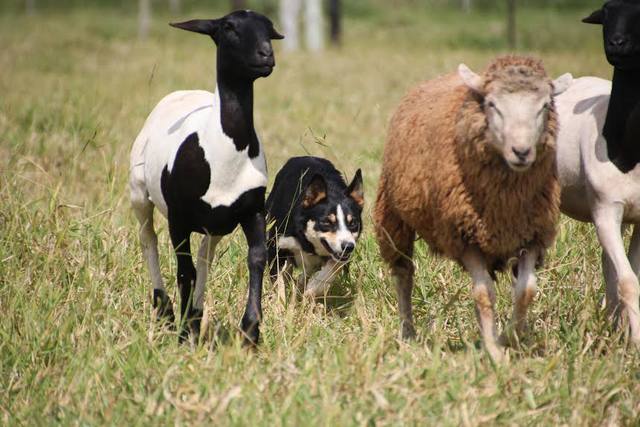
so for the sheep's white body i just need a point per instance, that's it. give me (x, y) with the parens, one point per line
(177, 116)
(233, 172)
(595, 190)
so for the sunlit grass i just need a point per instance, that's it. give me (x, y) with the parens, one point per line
(78, 344)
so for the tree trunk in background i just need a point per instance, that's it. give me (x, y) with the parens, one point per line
(238, 4)
(174, 6)
(31, 7)
(313, 24)
(335, 14)
(289, 11)
(466, 6)
(144, 18)
(511, 23)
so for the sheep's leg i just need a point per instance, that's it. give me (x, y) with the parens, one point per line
(203, 263)
(395, 239)
(181, 240)
(524, 289)
(634, 250)
(320, 282)
(143, 209)
(608, 223)
(254, 231)
(611, 288)
(402, 271)
(484, 295)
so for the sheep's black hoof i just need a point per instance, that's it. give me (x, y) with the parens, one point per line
(408, 331)
(251, 331)
(164, 307)
(191, 326)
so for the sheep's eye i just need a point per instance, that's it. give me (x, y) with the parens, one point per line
(228, 26)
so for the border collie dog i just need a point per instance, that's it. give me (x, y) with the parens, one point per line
(199, 161)
(317, 221)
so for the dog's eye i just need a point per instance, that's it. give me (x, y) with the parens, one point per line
(325, 223)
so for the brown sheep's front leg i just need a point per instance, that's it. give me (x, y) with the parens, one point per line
(484, 295)
(395, 239)
(524, 289)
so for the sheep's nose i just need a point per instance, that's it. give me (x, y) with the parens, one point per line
(522, 154)
(618, 40)
(347, 248)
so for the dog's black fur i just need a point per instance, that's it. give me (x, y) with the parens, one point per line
(309, 202)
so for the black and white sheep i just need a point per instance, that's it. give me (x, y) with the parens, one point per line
(599, 153)
(198, 160)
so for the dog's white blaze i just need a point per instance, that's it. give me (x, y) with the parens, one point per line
(342, 235)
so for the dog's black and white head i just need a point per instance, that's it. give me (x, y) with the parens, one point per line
(620, 20)
(332, 221)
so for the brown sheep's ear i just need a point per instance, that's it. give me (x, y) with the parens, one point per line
(595, 18)
(471, 79)
(356, 189)
(315, 192)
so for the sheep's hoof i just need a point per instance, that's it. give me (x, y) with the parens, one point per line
(250, 331)
(497, 354)
(163, 306)
(408, 331)
(512, 336)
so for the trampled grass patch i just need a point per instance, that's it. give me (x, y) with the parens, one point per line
(78, 344)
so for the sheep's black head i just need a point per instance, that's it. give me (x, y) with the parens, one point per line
(620, 20)
(243, 38)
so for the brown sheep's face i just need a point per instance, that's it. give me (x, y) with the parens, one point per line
(516, 122)
(516, 119)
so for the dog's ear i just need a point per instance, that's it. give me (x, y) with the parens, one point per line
(595, 18)
(315, 192)
(356, 189)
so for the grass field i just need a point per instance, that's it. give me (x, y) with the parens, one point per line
(78, 344)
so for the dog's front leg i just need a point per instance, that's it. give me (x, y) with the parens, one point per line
(320, 282)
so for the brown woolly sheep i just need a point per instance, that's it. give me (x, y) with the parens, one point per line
(469, 167)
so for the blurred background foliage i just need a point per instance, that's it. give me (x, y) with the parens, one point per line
(352, 8)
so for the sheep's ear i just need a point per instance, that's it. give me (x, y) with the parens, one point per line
(595, 18)
(275, 35)
(356, 189)
(562, 83)
(315, 192)
(471, 79)
(208, 27)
